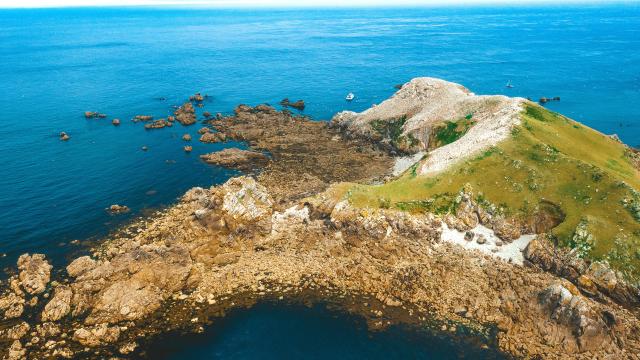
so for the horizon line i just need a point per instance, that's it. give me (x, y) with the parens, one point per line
(276, 5)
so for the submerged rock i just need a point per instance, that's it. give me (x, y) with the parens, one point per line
(93, 114)
(139, 118)
(118, 209)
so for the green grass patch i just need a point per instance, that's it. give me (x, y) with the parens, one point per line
(552, 158)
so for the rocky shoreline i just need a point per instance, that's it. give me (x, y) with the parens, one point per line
(286, 234)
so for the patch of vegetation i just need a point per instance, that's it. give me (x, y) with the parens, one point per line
(450, 131)
(586, 173)
(392, 130)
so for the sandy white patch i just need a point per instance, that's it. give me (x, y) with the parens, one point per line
(506, 252)
(403, 163)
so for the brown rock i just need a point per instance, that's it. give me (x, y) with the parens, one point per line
(212, 137)
(35, 273)
(97, 335)
(138, 118)
(59, 305)
(80, 266)
(235, 158)
(186, 137)
(118, 209)
(203, 130)
(157, 124)
(296, 105)
(186, 114)
(115, 122)
(188, 148)
(64, 136)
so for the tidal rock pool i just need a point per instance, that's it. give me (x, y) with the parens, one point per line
(279, 331)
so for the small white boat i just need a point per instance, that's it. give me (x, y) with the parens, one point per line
(509, 85)
(350, 97)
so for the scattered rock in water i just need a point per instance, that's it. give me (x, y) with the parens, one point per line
(197, 97)
(143, 118)
(296, 105)
(544, 100)
(188, 148)
(203, 130)
(144, 148)
(93, 115)
(206, 114)
(186, 114)
(64, 136)
(469, 235)
(212, 137)
(171, 118)
(118, 209)
(186, 137)
(157, 124)
(235, 158)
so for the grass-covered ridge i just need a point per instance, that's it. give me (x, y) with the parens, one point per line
(548, 157)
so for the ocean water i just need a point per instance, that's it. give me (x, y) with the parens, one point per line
(57, 63)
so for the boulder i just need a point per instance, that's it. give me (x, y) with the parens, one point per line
(97, 335)
(59, 305)
(80, 266)
(35, 273)
(186, 137)
(206, 114)
(203, 130)
(197, 97)
(12, 305)
(115, 122)
(16, 332)
(16, 351)
(188, 148)
(64, 136)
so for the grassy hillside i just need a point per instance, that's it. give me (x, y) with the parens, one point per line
(548, 157)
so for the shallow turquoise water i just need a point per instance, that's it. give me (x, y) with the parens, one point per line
(57, 63)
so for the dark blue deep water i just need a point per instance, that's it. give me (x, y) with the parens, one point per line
(57, 63)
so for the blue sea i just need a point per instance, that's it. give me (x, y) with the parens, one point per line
(57, 63)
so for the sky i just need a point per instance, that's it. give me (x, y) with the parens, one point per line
(270, 3)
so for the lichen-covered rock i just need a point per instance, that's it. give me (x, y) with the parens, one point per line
(59, 305)
(12, 305)
(97, 335)
(35, 273)
(16, 351)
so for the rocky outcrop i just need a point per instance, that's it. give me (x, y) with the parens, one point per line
(59, 305)
(187, 148)
(235, 158)
(212, 137)
(186, 114)
(596, 279)
(406, 122)
(35, 273)
(186, 137)
(115, 122)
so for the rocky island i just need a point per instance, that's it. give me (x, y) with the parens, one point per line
(438, 207)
